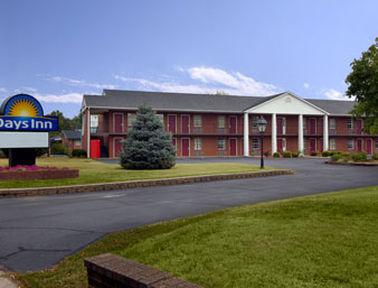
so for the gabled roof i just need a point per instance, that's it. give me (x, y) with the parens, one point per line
(72, 134)
(167, 101)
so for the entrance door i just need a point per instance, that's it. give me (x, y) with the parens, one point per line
(232, 124)
(118, 122)
(172, 124)
(359, 145)
(233, 147)
(279, 145)
(185, 122)
(281, 126)
(369, 144)
(312, 145)
(359, 126)
(117, 147)
(185, 147)
(312, 126)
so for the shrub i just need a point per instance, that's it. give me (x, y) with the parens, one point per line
(276, 155)
(296, 154)
(359, 157)
(267, 153)
(327, 153)
(287, 154)
(58, 149)
(314, 154)
(147, 145)
(79, 153)
(336, 157)
(375, 156)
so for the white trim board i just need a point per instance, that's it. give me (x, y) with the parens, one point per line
(287, 103)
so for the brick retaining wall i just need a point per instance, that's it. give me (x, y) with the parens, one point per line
(21, 192)
(110, 271)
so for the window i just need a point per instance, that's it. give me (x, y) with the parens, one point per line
(221, 122)
(197, 144)
(376, 144)
(255, 143)
(161, 118)
(254, 121)
(94, 123)
(197, 121)
(77, 143)
(221, 144)
(332, 144)
(350, 123)
(350, 144)
(131, 117)
(332, 124)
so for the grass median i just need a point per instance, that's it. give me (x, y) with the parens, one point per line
(92, 171)
(329, 240)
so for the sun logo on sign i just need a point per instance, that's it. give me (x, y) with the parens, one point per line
(23, 106)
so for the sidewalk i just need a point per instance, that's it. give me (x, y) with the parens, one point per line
(5, 282)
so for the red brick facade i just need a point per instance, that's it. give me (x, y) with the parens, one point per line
(222, 134)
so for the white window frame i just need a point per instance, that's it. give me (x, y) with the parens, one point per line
(351, 122)
(350, 141)
(197, 121)
(376, 144)
(222, 140)
(224, 121)
(332, 144)
(332, 124)
(197, 144)
(95, 118)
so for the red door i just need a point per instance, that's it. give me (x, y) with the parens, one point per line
(312, 126)
(118, 122)
(359, 145)
(369, 146)
(232, 124)
(172, 124)
(95, 149)
(279, 145)
(117, 147)
(279, 127)
(185, 147)
(359, 126)
(233, 147)
(185, 124)
(312, 145)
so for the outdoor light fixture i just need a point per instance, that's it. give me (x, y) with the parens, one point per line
(261, 126)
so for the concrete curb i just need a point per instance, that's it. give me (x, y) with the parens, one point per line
(22, 192)
(352, 163)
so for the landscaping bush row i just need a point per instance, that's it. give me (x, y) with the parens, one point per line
(355, 157)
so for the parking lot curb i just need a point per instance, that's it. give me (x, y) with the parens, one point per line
(85, 188)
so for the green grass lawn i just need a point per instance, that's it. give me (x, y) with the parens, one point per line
(96, 172)
(329, 240)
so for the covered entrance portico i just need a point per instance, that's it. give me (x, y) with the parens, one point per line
(278, 107)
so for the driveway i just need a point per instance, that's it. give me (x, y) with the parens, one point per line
(37, 232)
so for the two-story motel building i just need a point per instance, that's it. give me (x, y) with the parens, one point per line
(224, 125)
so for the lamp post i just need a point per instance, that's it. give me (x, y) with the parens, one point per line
(261, 126)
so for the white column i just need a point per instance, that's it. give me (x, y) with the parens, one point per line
(274, 133)
(300, 134)
(325, 133)
(246, 134)
(88, 133)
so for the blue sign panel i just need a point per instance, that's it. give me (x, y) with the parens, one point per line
(23, 112)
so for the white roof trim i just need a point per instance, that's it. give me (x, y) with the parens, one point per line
(251, 109)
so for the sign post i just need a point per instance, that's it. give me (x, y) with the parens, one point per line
(24, 127)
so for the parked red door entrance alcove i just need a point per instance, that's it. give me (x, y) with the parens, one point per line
(232, 122)
(117, 147)
(118, 122)
(359, 145)
(95, 149)
(185, 124)
(233, 147)
(185, 147)
(369, 145)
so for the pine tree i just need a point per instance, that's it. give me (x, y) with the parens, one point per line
(147, 145)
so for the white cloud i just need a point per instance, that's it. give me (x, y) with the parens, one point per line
(333, 94)
(210, 81)
(80, 83)
(3, 90)
(60, 98)
(306, 85)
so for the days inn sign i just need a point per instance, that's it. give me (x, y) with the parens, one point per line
(23, 112)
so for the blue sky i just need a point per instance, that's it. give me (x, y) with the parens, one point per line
(58, 50)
